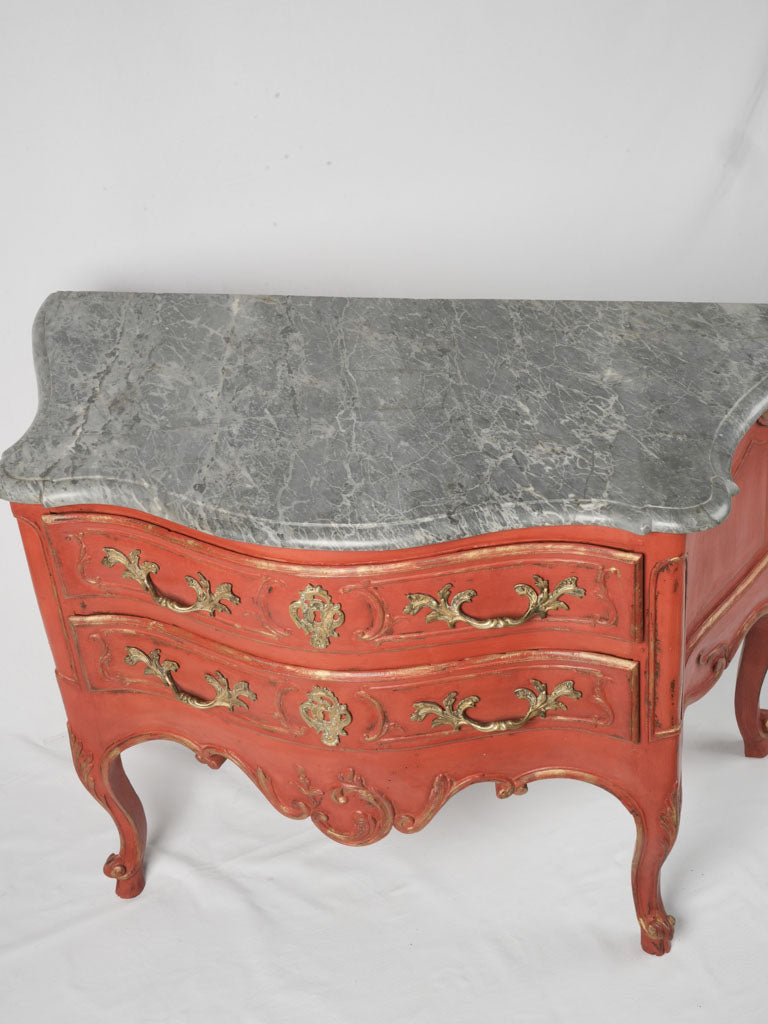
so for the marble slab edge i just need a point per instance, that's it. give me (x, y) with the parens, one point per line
(143, 496)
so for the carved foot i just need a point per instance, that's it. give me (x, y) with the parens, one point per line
(127, 883)
(756, 744)
(752, 722)
(656, 931)
(101, 772)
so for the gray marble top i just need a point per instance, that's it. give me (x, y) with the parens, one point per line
(385, 423)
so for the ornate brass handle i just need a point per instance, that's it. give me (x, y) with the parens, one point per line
(539, 703)
(140, 572)
(225, 695)
(540, 603)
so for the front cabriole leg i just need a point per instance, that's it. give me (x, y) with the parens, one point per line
(101, 772)
(752, 722)
(657, 817)
(653, 788)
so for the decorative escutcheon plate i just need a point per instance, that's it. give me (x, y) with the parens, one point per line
(324, 712)
(315, 612)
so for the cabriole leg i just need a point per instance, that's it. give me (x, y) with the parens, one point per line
(752, 722)
(101, 772)
(657, 817)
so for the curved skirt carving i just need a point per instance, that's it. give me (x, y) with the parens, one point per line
(356, 809)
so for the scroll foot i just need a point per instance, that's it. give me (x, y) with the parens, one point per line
(752, 721)
(127, 884)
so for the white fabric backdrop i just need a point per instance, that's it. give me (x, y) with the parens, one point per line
(604, 149)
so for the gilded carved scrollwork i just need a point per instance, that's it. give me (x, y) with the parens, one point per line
(670, 817)
(83, 761)
(369, 822)
(443, 788)
(298, 808)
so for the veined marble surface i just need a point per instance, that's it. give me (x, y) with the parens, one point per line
(385, 423)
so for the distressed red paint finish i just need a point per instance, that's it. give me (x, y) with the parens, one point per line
(659, 618)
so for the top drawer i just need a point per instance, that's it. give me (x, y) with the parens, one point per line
(483, 597)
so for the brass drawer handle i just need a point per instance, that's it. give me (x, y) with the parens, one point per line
(540, 603)
(140, 572)
(226, 696)
(539, 701)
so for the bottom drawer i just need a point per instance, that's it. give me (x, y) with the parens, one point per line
(414, 706)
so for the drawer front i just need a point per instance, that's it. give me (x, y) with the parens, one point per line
(502, 695)
(423, 604)
(526, 692)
